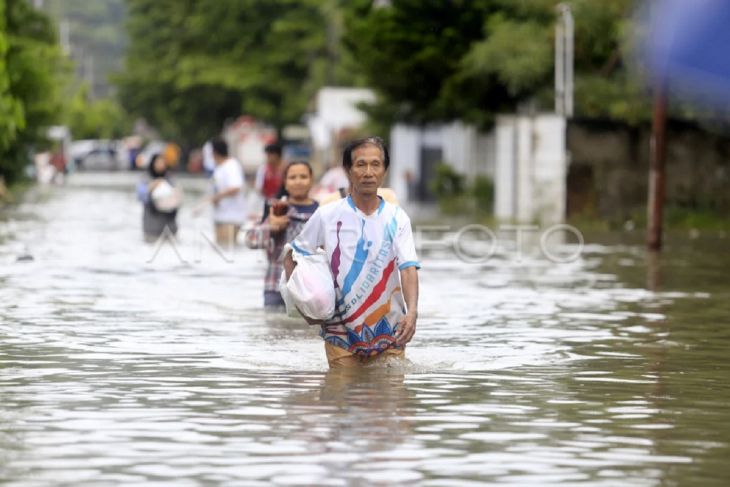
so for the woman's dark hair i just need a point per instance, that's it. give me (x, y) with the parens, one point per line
(151, 167)
(282, 191)
(372, 140)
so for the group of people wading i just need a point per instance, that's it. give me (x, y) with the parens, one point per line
(365, 234)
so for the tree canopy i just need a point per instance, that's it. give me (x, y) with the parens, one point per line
(30, 91)
(431, 60)
(96, 39)
(191, 65)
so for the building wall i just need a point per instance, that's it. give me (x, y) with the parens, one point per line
(412, 148)
(531, 166)
(609, 170)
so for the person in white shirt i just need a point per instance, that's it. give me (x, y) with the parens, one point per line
(335, 179)
(229, 196)
(369, 244)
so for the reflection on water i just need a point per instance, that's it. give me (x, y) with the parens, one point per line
(114, 370)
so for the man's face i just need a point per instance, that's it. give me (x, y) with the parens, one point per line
(368, 170)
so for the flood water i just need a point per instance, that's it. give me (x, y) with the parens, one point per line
(125, 364)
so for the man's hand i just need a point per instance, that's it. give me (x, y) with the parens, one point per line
(289, 264)
(406, 329)
(216, 198)
(309, 320)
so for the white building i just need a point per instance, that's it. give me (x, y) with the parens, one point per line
(336, 113)
(416, 151)
(525, 156)
(531, 170)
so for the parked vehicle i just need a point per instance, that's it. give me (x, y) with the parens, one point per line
(96, 155)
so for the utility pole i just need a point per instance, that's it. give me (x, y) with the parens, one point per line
(89, 74)
(64, 36)
(564, 54)
(657, 158)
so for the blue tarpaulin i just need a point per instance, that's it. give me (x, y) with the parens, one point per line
(688, 47)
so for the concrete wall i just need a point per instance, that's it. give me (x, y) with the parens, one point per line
(531, 167)
(608, 174)
(462, 146)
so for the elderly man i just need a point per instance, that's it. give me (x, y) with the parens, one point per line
(370, 247)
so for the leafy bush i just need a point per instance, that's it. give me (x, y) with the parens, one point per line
(447, 182)
(482, 190)
(456, 196)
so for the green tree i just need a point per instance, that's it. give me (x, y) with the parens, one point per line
(434, 61)
(95, 119)
(30, 67)
(410, 52)
(192, 65)
(97, 39)
(12, 119)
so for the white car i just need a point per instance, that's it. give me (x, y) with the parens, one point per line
(96, 154)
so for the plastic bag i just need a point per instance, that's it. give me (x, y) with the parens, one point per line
(291, 308)
(165, 197)
(310, 288)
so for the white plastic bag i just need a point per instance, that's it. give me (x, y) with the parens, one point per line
(165, 197)
(310, 288)
(291, 308)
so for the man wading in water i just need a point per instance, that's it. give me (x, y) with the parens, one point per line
(369, 244)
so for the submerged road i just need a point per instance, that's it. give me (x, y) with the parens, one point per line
(122, 363)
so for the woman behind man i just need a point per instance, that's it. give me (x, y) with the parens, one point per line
(284, 221)
(161, 200)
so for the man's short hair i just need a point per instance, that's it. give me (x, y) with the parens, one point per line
(219, 147)
(273, 149)
(372, 140)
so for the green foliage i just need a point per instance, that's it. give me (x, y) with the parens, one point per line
(12, 118)
(95, 119)
(433, 61)
(482, 193)
(677, 217)
(518, 54)
(411, 54)
(456, 196)
(30, 65)
(192, 65)
(447, 182)
(618, 98)
(96, 34)
(449, 188)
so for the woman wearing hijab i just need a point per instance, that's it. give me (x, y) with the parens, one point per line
(161, 200)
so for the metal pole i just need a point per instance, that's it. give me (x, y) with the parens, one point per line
(89, 75)
(564, 33)
(64, 34)
(569, 34)
(657, 159)
(559, 68)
